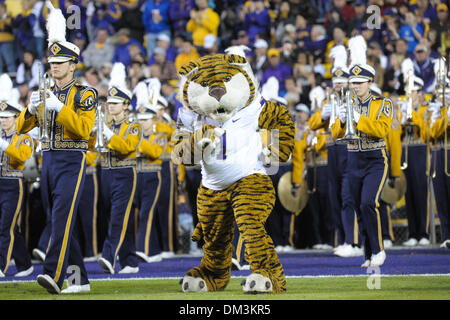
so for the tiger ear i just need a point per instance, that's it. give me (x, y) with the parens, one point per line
(235, 59)
(189, 68)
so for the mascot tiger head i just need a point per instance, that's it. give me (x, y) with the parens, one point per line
(217, 85)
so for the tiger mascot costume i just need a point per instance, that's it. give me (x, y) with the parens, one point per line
(220, 126)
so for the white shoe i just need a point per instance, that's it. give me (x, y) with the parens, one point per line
(345, 251)
(155, 258)
(410, 243)
(106, 265)
(245, 267)
(91, 259)
(235, 265)
(1, 274)
(279, 249)
(167, 254)
(366, 264)
(377, 259)
(424, 242)
(129, 269)
(288, 248)
(191, 284)
(326, 247)
(387, 243)
(358, 252)
(142, 255)
(338, 248)
(445, 244)
(77, 288)
(38, 254)
(25, 272)
(48, 283)
(317, 246)
(257, 283)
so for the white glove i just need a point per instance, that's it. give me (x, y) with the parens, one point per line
(356, 116)
(35, 100)
(266, 156)
(404, 107)
(107, 132)
(435, 106)
(448, 113)
(343, 113)
(434, 116)
(53, 103)
(3, 144)
(326, 111)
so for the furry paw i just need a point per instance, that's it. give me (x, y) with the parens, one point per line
(191, 284)
(256, 283)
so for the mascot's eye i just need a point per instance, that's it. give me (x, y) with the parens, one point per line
(204, 84)
(228, 78)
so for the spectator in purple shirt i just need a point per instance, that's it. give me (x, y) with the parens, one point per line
(179, 13)
(276, 69)
(121, 53)
(257, 20)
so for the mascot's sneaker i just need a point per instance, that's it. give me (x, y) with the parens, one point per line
(77, 288)
(48, 283)
(377, 259)
(24, 273)
(106, 265)
(191, 284)
(256, 283)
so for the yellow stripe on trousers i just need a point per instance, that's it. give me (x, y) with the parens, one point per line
(126, 218)
(150, 218)
(69, 221)
(13, 225)
(377, 197)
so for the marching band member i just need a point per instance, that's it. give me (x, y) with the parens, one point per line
(414, 159)
(70, 110)
(15, 149)
(149, 179)
(441, 183)
(167, 201)
(367, 159)
(119, 177)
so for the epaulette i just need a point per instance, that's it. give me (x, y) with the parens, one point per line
(88, 103)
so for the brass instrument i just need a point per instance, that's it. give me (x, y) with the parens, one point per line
(334, 112)
(393, 193)
(441, 81)
(100, 122)
(43, 86)
(350, 134)
(408, 125)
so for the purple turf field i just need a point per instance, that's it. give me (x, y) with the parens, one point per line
(399, 261)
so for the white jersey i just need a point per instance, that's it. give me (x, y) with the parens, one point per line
(240, 148)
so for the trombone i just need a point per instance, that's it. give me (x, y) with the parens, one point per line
(43, 86)
(350, 135)
(408, 125)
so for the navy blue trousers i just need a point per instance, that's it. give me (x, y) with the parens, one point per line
(416, 192)
(322, 224)
(278, 223)
(118, 190)
(369, 171)
(147, 194)
(337, 164)
(167, 206)
(62, 180)
(350, 222)
(12, 243)
(441, 187)
(87, 216)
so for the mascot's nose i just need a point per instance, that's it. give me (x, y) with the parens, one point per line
(217, 92)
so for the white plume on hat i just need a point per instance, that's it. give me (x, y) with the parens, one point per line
(56, 25)
(270, 89)
(7, 86)
(339, 54)
(357, 46)
(141, 92)
(316, 96)
(118, 76)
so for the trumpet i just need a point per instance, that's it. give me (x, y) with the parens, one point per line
(334, 112)
(100, 119)
(43, 86)
(350, 135)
